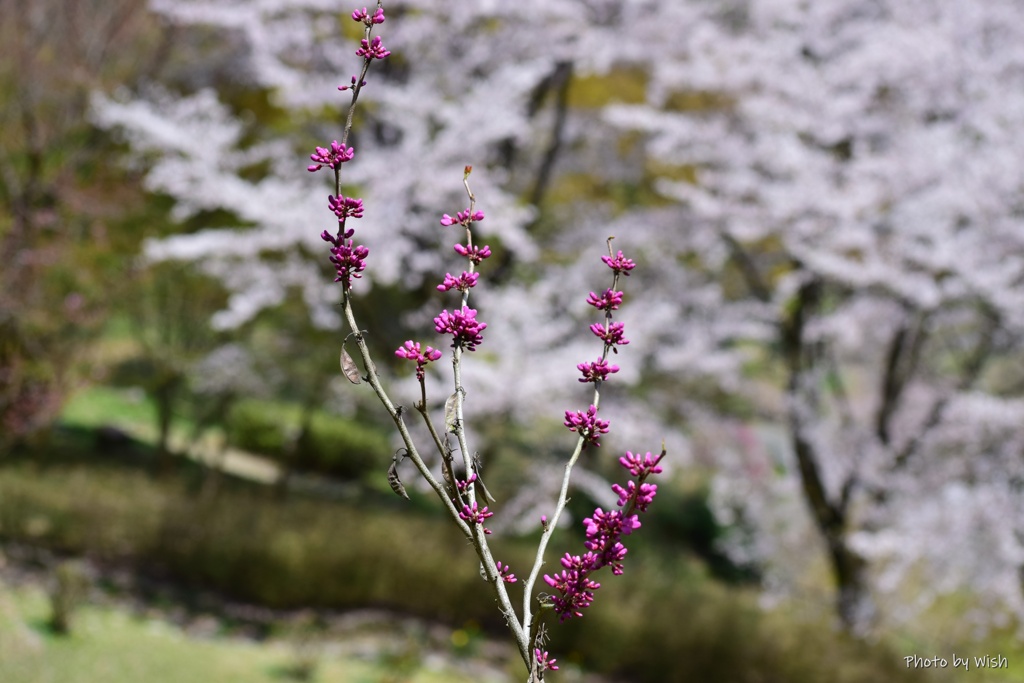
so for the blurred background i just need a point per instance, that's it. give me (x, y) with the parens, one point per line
(826, 327)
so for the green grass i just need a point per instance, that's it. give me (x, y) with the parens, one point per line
(108, 645)
(100, 405)
(656, 623)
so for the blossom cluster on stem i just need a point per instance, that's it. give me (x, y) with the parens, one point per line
(463, 326)
(411, 351)
(461, 283)
(334, 157)
(463, 218)
(505, 572)
(587, 425)
(349, 259)
(605, 530)
(604, 533)
(609, 301)
(619, 263)
(474, 254)
(544, 661)
(596, 371)
(474, 514)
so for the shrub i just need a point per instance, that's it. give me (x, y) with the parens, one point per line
(330, 445)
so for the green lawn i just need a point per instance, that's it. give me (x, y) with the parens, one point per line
(109, 645)
(108, 405)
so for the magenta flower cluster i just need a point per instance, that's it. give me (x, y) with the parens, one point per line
(462, 218)
(349, 259)
(411, 351)
(364, 16)
(372, 49)
(612, 336)
(619, 264)
(462, 283)
(463, 326)
(333, 157)
(597, 371)
(604, 531)
(587, 425)
(345, 207)
(544, 661)
(505, 572)
(474, 514)
(474, 254)
(609, 301)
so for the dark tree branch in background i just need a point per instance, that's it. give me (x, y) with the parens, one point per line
(969, 374)
(902, 357)
(560, 80)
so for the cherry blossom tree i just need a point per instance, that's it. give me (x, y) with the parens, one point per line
(493, 91)
(851, 178)
(824, 198)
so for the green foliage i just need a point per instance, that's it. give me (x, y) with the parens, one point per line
(58, 191)
(113, 646)
(98, 406)
(652, 627)
(329, 444)
(683, 518)
(71, 582)
(620, 85)
(661, 621)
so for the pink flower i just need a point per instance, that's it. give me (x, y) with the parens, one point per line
(461, 283)
(349, 261)
(597, 371)
(641, 496)
(612, 336)
(546, 663)
(640, 466)
(462, 218)
(620, 264)
(333, 157)
(352, 85)
(345, 207)
(586, 425)
(463, 326)
(505, 572)
(411, 351)
(609, 301)
(474, 254)
(476, 515)
(364, 16)
(372, 49)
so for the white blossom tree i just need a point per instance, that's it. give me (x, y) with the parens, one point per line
(484, 84)
(836, 244)
(852, 182)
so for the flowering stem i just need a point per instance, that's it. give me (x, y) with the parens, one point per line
(479, 538)
(396, 414)
(473, 532)
(563, 494)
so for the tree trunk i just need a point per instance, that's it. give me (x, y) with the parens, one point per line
(854, 602)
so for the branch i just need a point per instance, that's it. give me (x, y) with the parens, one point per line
(900, 365)
(829, 517)
(969, 375)
(561, 79)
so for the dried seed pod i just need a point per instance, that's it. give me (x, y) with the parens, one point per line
(395, 482)
(348, 366)
(450, 413)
